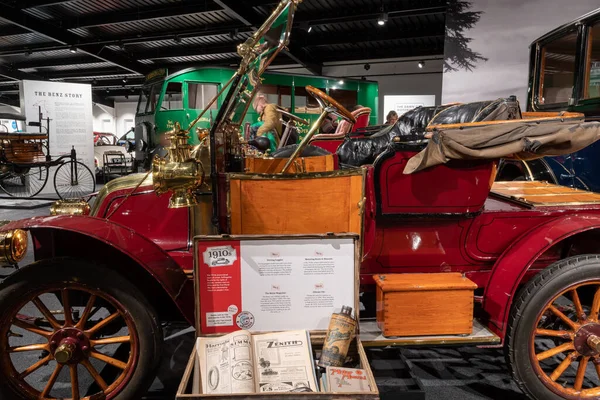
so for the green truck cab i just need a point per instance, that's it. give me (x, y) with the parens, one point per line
(181, 96)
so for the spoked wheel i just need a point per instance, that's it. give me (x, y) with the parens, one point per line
(73, 180)
(554, 333)
(24, 182)
(75, 330)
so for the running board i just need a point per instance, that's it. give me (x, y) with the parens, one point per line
(370, 336)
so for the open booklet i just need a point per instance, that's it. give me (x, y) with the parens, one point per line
(244, 363)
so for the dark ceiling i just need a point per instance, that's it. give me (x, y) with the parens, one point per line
(113, 43)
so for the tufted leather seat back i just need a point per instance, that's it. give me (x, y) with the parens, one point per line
(362, 151)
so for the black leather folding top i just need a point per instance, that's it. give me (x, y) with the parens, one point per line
(413, 124)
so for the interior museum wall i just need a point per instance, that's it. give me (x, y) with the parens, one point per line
(395, 77)
(503, 35)
(118, 117)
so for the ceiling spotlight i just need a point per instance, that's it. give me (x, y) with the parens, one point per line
(124, 80)
(341, 82)
(310, 29)
(234, 33)
(382, 19)
(73, 49)
(28, 52)
(421, 64)
(177, 39)
(107, 91)
(94, 81)
(126, 96)
(122, 45)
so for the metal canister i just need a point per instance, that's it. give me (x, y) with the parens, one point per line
(342, 329)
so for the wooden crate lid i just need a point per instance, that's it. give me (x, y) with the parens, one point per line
(423, 282)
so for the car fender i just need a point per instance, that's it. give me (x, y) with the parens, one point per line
(513, 264)
(126, 241)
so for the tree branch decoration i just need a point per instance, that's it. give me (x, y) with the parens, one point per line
(459, 19)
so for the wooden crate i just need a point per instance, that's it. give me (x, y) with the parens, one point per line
(424, 304)
(303, 164)
(192, 372)
(328, 202)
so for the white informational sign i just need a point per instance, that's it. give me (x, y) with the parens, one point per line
(402, 104)
(274, 285)
(69, 107)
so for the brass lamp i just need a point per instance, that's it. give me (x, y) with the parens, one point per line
(178, 172)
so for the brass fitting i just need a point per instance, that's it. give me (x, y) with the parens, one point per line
(13, 246)
(64, 353)
(178, 172)
(70, 207)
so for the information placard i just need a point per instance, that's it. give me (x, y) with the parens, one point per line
(273, 284)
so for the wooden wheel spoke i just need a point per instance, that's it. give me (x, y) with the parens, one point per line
(112, 340)
(597, 366)
(572, 324)
(577, 304)
(109, 360)
(31, 347)
(74, 382)
(35, 367)
(103, 323)
(549, 332)
(86, 312)
(31, 328)
(554, 351)
(64, 294)
(52, 381)
(595, 306)
(46, 313)
(95, 375)
(581, 373)
(562, 367)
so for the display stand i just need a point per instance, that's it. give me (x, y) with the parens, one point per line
(249, 261)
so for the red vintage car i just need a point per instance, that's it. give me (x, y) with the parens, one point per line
(88, 312)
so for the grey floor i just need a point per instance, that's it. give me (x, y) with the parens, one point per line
(463, 373)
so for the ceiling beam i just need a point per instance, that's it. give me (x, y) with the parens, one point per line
(22, 4)
(95, 72)
(43, 28)
(10, 30)
(184, 51)
(18, 75)
(242, 11)
(45, 62)
(370, 35)
(97, 98)
(436, 49)
(354, 15)
(184, 7)
(208, 30)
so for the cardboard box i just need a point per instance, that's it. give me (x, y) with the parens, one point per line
(317, 336)
(424, 304)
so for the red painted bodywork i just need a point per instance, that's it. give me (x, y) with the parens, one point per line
(439, 220)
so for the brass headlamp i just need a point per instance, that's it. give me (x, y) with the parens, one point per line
(178, 172)
(13, 246)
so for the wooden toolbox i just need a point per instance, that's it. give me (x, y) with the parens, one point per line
(424, 304)
(190, 387)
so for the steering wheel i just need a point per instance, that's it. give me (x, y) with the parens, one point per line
(329, 105)
(326, 101)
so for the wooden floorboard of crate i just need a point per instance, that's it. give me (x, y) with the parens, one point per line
(544, 193)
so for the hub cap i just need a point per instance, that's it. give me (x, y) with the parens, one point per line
(565, 346)
(85, 337)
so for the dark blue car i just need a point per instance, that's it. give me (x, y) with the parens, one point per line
(565, 76)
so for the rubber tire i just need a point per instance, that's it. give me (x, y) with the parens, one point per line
(309, 151)
(67, 269)
(538, 291)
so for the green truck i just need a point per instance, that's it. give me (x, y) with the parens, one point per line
(180, 97)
